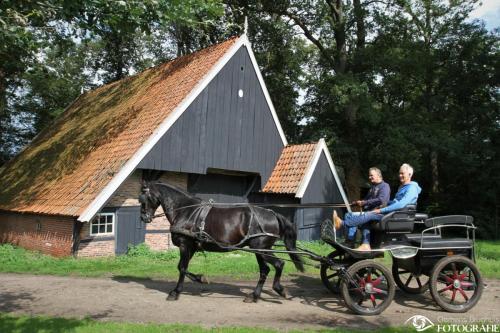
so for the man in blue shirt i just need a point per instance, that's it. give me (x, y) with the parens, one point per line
(407, 194)
(377, 197)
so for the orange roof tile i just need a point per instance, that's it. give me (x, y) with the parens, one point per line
(67, 165)
(290, 169)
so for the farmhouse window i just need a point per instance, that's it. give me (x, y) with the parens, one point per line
(102, 224)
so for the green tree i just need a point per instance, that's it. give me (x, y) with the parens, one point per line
(46, 43)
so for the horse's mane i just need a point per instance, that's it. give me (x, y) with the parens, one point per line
(177, 189)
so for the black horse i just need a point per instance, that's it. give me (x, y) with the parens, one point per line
(198, 226)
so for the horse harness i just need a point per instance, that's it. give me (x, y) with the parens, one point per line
(197, 231)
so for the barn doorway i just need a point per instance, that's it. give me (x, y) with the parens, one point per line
(130, 230)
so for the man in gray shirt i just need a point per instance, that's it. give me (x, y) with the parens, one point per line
(377, 197)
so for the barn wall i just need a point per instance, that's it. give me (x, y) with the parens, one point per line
(275, 198)
(48, 234)
(221, 130)
(157, 234)
(93, 246)
(322, 188)
(221, 187)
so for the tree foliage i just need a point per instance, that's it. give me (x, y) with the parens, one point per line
(384, 81)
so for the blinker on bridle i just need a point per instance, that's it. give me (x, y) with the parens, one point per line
(144, 199)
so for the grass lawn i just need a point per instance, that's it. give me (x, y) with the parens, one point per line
(40, 324)
(142, 263)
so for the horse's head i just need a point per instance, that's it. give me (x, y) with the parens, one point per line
(150, 201)
(154, 194)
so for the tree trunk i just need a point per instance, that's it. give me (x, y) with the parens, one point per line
(353, 174)
(434, 173)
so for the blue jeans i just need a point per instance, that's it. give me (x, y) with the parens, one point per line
(353, 221)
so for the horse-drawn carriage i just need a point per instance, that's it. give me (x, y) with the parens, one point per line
(426, 252)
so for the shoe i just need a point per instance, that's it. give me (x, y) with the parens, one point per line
(337, 220)
(364, 247)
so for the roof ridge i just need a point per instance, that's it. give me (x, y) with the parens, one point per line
(157, 66)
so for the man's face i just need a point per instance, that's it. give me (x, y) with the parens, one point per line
(374, 177)
(404, 176)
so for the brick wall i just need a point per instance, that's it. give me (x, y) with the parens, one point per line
(126, 195)
(95, 246)
(175, 178)
(157, 232)
(158, 235)
(48, 234)
(128, 192)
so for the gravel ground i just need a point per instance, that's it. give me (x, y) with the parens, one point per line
(219, 303)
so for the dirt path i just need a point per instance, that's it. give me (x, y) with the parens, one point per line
(216, 304)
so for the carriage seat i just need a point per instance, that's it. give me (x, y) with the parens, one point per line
(421, 217)
(449, 219)
(400, 221)
(433, 241)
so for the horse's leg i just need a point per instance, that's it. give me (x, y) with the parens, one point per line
(200, 278)
(186, 252)
(278, 265)
(264, 270)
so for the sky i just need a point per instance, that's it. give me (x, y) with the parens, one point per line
(489, 11)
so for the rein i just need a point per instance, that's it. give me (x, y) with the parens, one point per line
(215, 204)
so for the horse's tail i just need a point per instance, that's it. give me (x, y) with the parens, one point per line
(290, 237)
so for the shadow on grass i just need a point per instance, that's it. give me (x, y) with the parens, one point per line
(38, 324)
(216, 289)
(13, 301)
(308, 290)
(420, 301)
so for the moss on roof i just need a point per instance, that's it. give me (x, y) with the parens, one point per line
(70, 162)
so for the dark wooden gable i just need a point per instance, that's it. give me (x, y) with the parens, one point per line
(322, 188)
(221, 130)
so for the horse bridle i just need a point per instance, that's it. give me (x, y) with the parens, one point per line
(144, 199)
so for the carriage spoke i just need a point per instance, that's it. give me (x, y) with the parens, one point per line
(361, 280)
(372, 297)
(369, 275)
(467, 284)
(380, 291)
(453, 296)
(446, 288)
(463, 294)
(419, 283)
(446, 278)
(377, 281)
(408, 281)
(454, 268)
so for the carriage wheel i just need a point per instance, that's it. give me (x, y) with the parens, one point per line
(456, 284)
(367, 288)
(329, 276)
(409, 282)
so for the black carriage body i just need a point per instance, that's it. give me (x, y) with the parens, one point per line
(422, 252)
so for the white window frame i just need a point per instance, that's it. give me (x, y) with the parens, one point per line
(113, 220)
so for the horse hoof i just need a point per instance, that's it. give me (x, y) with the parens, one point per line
(173, 297)
(283, 293)
(250, 299)
(204, 280)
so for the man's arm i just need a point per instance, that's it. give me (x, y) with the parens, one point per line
(382, 198)
(409, 196)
